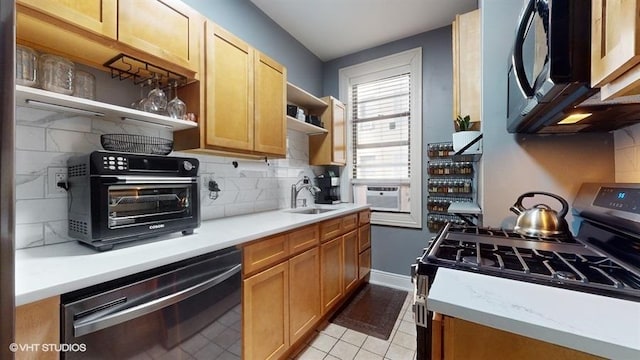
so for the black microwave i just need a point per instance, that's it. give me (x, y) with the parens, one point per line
(549, 74)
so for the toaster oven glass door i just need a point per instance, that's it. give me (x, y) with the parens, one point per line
(142, 204)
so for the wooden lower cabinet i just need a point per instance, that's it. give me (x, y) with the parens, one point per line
(454, 338)
(364, 244)
(292, 281)
(265, 320)
(331, 273)
(38, 323)
(350, 262)
(364, 237)
(364, 263)
(304, 293)
(264, 253)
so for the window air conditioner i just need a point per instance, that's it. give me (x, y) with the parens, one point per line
(384, 198)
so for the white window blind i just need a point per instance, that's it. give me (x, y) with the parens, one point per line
(381, 122)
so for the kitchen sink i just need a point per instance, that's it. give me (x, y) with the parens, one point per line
(310, 210)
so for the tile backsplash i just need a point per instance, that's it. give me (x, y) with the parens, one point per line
(47, 139)
(627, 154)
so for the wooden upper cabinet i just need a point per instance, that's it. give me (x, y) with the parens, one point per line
(97, 16)
(166, 34)
(270, 100)
(229, 90)
(339, 132)
(167, 29)
(330, 148)
(467, 65)
(245, 98)
(615, 47)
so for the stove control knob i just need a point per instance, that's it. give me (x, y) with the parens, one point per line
(187, 165)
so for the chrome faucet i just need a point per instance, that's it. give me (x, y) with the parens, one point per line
(295, 190)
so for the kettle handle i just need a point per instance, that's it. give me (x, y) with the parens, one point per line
(565, 205)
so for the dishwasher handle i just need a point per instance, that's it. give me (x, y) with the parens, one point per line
(87, 326)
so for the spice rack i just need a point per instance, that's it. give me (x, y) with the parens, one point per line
(452, 187)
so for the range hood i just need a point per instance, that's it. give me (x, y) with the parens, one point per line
(587, 113)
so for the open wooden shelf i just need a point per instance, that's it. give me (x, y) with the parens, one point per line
(309, 129)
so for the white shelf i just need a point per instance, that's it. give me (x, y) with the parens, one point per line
(42, 99)
(309, 129)
(300, 97)
(461, 207)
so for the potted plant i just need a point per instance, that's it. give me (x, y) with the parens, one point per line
(465, 135)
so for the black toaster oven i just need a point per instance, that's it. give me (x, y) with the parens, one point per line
(118, 197)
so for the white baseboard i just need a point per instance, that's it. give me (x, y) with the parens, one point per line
(396, 281)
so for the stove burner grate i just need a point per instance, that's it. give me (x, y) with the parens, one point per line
(473, 260)
(504, 253)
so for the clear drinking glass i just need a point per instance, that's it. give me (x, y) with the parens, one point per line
(176, 108)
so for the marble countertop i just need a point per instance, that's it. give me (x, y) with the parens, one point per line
(594, 324)
(52, 270)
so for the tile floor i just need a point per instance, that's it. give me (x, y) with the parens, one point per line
(337, 342)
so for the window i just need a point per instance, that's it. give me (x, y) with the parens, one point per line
(385, 130)
(380, 119)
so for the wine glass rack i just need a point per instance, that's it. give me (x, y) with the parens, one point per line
(126, 67)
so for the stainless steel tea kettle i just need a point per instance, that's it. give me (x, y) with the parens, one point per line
(540, 220)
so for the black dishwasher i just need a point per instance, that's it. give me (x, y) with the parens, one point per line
(186, 310)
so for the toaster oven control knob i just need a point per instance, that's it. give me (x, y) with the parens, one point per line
(187, 165)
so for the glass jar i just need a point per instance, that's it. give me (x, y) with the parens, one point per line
(26, 66)
(84, 85)
(57, 74)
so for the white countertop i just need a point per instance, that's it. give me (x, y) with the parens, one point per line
(52, 270)
(599, 325)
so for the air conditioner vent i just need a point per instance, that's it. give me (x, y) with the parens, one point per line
(384, 198)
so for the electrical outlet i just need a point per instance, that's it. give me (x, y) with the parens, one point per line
(54, 176)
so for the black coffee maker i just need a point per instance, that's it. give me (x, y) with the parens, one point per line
(329, 184)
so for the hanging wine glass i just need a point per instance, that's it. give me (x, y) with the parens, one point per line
(177, 108)
(139, 104)
(157, 97)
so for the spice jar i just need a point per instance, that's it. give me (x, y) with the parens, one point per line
(84, 85)
(26, 66)
(57, 74)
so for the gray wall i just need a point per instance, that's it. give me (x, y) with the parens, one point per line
(394, 249)
(515, 164)
(249, 23)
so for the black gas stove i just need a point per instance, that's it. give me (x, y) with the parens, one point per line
(562, 262)
(603, 258)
